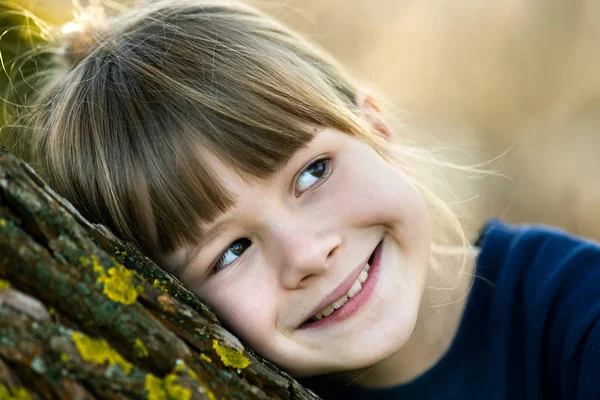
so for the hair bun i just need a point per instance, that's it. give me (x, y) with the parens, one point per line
(81, 35)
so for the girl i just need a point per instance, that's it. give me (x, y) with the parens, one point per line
(242, 158)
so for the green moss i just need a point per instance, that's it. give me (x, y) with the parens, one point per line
(82, 288)
(105, 312)
(6, 341)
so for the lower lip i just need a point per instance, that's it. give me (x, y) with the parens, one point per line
(352, 305)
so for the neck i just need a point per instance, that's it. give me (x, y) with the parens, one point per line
(444, 299)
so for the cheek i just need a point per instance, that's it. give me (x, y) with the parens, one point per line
(246, 306)
(375, 192)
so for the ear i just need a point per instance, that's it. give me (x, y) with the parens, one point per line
(370, 112)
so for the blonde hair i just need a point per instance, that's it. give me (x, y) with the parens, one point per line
(118, 126)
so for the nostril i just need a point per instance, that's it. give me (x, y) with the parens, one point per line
(305, 281)
(333, 250)
(330, 254)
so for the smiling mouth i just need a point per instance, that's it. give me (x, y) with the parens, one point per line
(353, 291)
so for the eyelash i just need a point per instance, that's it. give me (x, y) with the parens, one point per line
(218, 265)
(324, 172)
(326, 162)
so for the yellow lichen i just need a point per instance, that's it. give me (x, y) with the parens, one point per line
(192, 374)
(165, 389)
(2, 222)
(176, 391)
(205, 357)
(99, 351)
(179, 366)
(4, 284)
(52, 310)
(170, 391)
(64, 357)
(209, 393)
(153, 386)
(161, 284)
(118, 285)
(139, 349)
(7, 393)
(84, 261)
(231, 357)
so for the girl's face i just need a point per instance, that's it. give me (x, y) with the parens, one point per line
(295, 244)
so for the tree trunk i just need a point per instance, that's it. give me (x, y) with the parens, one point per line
(84, 315)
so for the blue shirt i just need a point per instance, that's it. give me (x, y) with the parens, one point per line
(530, 330)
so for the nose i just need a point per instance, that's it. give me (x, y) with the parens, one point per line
(304, 255)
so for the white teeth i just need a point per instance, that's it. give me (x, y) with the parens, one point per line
(363, 276)
(356, 286)
(327, 311)
(340, 302)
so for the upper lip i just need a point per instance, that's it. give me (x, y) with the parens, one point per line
(342, 288)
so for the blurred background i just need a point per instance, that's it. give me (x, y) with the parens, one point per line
(514, 83)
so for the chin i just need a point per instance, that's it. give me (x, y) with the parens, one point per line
(374, 350)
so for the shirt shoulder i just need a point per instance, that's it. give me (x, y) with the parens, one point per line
(549, 281)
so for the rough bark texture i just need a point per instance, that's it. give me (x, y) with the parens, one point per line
(84, 315)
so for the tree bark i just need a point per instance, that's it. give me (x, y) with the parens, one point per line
(85, 315)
